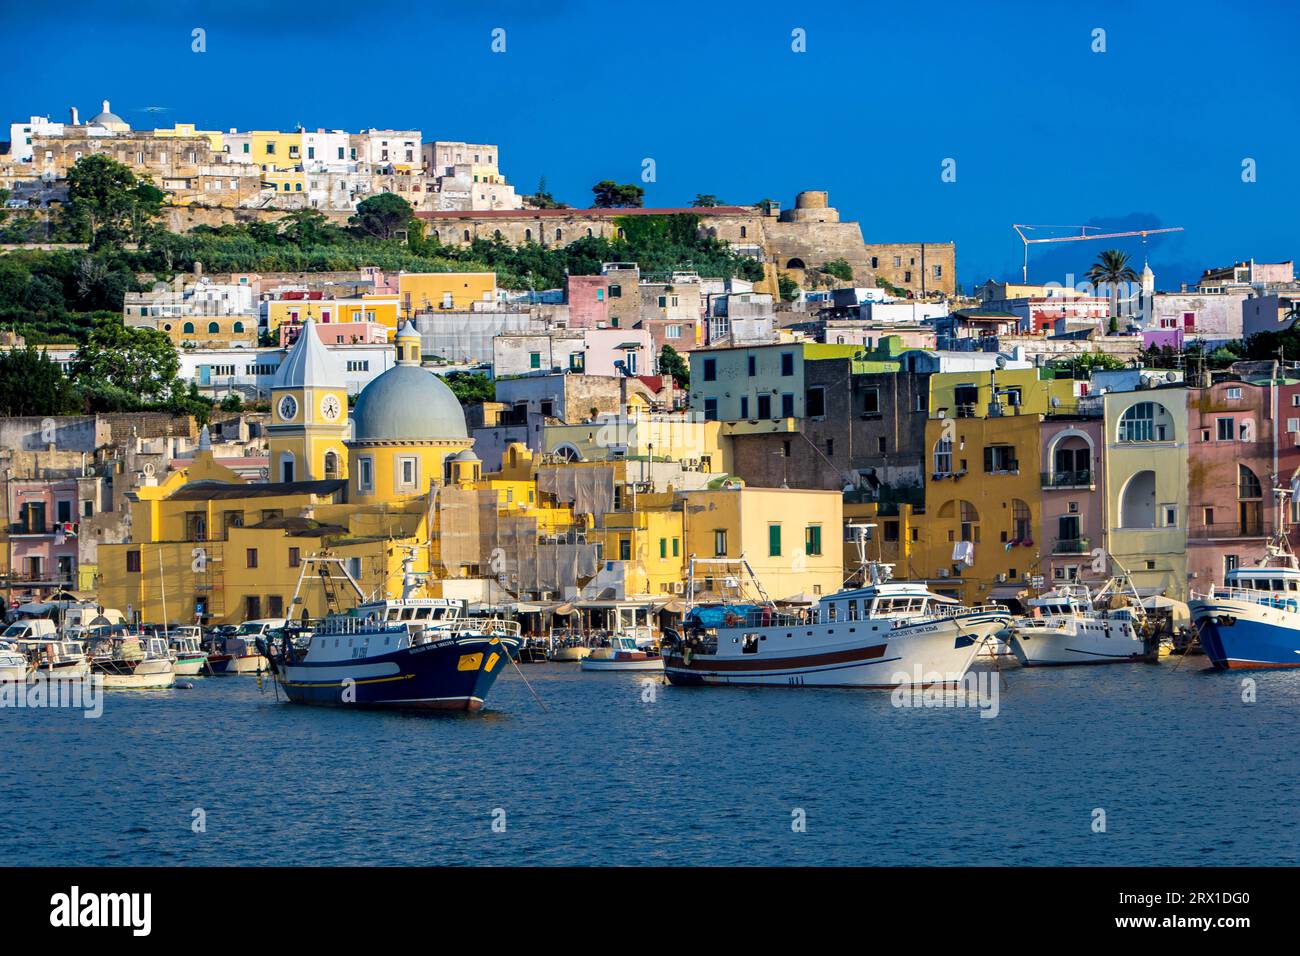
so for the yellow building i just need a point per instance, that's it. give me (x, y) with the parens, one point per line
(1020, 391)
(444, 291)
(790, 537)
(309, 414)
(363, 308)
(980, 533)
(190, 131)
(644, 436)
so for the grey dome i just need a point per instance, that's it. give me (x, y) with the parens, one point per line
(407, 403)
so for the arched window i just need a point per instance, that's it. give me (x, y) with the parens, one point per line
(436, 237)
(237, 327)
(528, 235)
(1137, 502)
(1250, 502)
(496, 234)
(214, 328)
(795, 264)
(559, 234)
(1022, 523)
(1146, 421)
(286, 466)
(589, 234)
(943, 457)
(188, 328)
(467, 235)
(331, 465)
(744, 232)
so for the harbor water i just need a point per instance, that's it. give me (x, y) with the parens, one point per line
(1119, 765)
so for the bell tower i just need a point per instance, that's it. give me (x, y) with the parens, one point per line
(309, 414)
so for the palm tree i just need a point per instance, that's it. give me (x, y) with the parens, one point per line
(1111, 268)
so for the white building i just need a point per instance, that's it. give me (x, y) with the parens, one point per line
(251, 371)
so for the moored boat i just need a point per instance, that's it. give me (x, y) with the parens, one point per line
(885, 635)
(185, 644)
(1252, 621)
(622, 654)
(124, 661)
(1070, 625)
(13, 663)
(404, 653)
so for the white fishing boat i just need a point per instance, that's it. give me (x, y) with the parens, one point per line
(238, 654)
(622, 654)
(13, 663)
(885, 635)
(124, 661)
(185, 644)
(49, 656)
(1070, 625)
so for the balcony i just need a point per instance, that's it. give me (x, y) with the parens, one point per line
(1228, 530)
(1071, 546)
(1067, 479)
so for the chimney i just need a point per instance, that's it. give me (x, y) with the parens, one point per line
(75, 121)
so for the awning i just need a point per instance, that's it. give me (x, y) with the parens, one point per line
(1178, 611)
(674, 607)
(566, 609)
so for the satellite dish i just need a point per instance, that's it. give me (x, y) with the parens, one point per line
(1002, 361)
(149, 468)
(1056, 402)
(264, 472)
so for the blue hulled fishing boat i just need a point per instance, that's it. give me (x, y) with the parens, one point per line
(405, 653)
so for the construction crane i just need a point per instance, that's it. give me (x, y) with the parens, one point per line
(1083, 234)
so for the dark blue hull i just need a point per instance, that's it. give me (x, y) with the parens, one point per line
(454, 673)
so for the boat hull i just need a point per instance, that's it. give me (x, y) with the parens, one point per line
(567, 655)
(246, 664)
(146, 675)
(190, 666)
(1058, 647)
(606, 664)
(13, 673)
(933, 653)
(453, 673)
(74, 670)
(1241, 635)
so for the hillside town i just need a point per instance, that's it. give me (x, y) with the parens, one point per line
(815, 399)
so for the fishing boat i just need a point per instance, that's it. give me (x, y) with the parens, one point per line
(404, 653)
(568, 645)
(13, 663)
(49, 656)
(1253, 620)
(238, 653)
(185, 645)
(622, 654)
(1070, 625)
(125, 661)
(884, 635)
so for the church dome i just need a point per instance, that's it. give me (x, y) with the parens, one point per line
(109, 120)
(407, 403)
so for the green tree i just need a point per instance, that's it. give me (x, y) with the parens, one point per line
(706, 200)
(788, 288)
(107, 203)
(1112, 268)
(308, 227)
(471, 388)
(142, 362)
(382, 216)
(672, 363)
(542, 199)
(30, 384)
(612, 195)
(839, 269)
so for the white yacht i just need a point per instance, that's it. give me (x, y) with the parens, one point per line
(1069, 625)
(49, 656)
(13, 663)
(125, 661)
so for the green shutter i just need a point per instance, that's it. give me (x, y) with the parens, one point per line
(813, 540)
(774, 541)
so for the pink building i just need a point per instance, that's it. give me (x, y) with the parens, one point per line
(588, 300)
(338, 333)
(1073, 498)
(1231, 508)
(43, 531)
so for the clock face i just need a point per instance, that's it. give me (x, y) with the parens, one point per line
(330, 409)
(288, 408)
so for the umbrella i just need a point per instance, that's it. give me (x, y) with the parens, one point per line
(1179, 611)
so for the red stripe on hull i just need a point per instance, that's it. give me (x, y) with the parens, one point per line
(1257, 666)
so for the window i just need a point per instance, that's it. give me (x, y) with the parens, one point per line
(787, 363)
(744, 406)
(133, 562)
(710, 370)
(406, 473)
(765, 406)
(1000, 458)
(891, 530)
(624, 548)
(252, 607)
(295, 558)
(663, 548)
(787, 405)
(774, 541)
(812, 540)
(1234, 394)
(752, 365)
(871, 401)
(676, 546)
(1224, 427)
(814, 402)
(710, 409)
(720, 543)
(663, 302)
(534, 359)
(943, 456)
(250, 558)
(615, 290)
(275, 605)
(365, 474)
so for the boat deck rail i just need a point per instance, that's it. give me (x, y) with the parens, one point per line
(475, 625)
(1282, 601)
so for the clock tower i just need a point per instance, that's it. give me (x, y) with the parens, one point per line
(309, 414)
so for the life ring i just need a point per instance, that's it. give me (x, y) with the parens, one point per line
(732, 619)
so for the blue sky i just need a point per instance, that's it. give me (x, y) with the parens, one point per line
(1151, 132)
